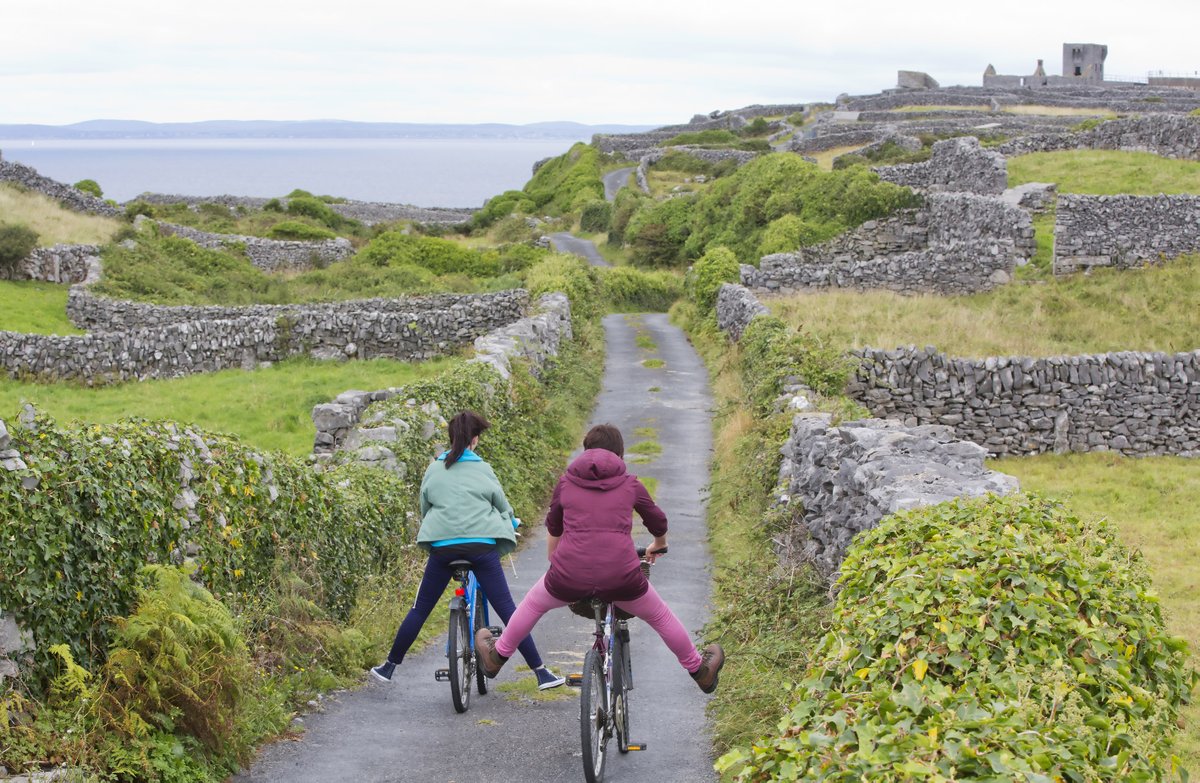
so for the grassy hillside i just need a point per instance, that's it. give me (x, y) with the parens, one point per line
(1154, 309)
(266, 409)
(53, 224)
(34, 308)
(1155, 503)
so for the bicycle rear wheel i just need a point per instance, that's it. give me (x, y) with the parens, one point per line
(595, 727)
(461, 660)
(620, 692)
(481, 683)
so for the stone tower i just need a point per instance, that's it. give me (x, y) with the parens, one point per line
(1084, 61)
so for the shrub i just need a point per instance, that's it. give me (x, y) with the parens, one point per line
(173, 270)
(788, 233)
(440, 256)
(89, 186)
(984, 639)
(295, 230)
(572, 276)
(273, 205)
(656, 235)
(626, 204)
(317, 210)
(773, 354)
(715, 268)
(678, 160)
(756, 127)
(16, 243)
(505, 204)
(627, 289)
(595, 216)
(135, 208)
(736, 210)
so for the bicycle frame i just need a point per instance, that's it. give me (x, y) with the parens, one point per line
(464, 597)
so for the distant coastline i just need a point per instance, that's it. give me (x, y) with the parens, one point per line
(308, 129)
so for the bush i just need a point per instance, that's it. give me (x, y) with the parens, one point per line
(756, 127)
(656, 235)
(625, 206)
(295, 230)
(571, 275)
(715, 268)
(565, 184)
(773, 354)
(595, 216)
(440, 256)
(16, 243)
(89, 186)
(984, 639)
(317, 210)
(626, 289)
(789, 233)
(135, 208)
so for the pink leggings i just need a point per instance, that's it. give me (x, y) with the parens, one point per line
(650, 607)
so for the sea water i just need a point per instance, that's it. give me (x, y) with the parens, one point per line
(421, 172)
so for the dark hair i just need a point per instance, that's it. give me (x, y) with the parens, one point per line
(463, 428)
(605, 436)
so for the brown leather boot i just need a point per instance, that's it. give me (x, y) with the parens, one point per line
(490, 661)
(712, 658)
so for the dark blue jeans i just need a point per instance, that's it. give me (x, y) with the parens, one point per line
(490, 573)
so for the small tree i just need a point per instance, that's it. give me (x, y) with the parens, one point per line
(89, 186)
(16, 243)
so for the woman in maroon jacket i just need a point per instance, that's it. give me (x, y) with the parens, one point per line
(592, 555)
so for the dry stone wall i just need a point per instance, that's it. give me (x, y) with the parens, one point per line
(27, 177)
(366, 212)
(97, 313)
(181, 348)
(1123, 231)
(843, 479)
(1167, 135)
(1135, 403)
(345, 424)
(959, 165)
(61, 264)
(270, 255)
(959, 243)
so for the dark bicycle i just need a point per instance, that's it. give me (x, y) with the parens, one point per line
(605, 682)
(468, 613)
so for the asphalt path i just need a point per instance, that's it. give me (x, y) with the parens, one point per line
(408, 731)
(568, 243)
(615, 180)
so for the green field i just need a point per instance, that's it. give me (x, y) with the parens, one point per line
(1155, 503)
(1152, 309)
(1106, 172)
(268, 408)
(34, 308)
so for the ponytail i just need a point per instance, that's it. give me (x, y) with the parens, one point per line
(463, 428)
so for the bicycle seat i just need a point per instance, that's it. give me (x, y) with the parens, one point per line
(457, 564)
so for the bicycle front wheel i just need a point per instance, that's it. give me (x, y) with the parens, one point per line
(458, 651)
(595, 726)
(481, 683)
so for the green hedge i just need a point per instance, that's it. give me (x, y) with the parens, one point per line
(991, 639)
(627, 289)
(772, 354)
(96, 504)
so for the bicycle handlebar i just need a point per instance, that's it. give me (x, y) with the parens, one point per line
(641, 551)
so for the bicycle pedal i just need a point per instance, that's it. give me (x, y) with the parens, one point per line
(574, 680)
(637, 746)
(442, 675)
(496, 630)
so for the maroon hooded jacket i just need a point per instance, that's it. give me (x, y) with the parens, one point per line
(592, 509)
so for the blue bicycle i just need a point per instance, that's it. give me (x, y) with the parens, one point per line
(468, 613)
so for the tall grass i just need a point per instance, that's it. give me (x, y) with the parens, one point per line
(1106, 172)
(1155, 503)
(53, 224)
(268, 408)
(33, 307)
(1151, 309)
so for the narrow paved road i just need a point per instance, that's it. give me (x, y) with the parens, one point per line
(408, 730)
(615, 180)
(568, 243)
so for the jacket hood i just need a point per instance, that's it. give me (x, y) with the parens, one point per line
(597, 469)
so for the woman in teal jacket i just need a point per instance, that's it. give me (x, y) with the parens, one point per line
(464, 516)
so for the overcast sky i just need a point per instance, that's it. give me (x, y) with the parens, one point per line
(518, 61)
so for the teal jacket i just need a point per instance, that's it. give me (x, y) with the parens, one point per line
(464, 501)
